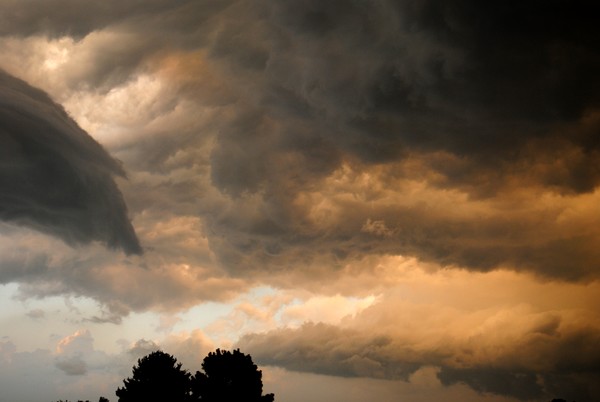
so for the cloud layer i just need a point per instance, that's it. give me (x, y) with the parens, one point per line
(517, 349)
(436, 159)
(328, 116)
(54, 177)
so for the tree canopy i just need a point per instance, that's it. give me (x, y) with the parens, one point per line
(226, 376)
(157, 377)
(229, 376)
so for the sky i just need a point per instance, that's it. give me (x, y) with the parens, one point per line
(392, 200)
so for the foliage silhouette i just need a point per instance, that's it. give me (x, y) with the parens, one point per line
(157, 377)
(229, 377)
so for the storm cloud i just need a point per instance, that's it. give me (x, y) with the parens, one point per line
(439, 160)
(511, 352)
(301, 137)
(53, 176)
(354, 106)
(325, 116)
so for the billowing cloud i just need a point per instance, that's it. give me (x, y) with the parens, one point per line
(54, 177)
(418, 129)
(392, 169)
(512, 349)
(142, 347)
(70, 352)
(527, 368)
(73, 365)
(425, 133)
(403, 114)
(81, 342)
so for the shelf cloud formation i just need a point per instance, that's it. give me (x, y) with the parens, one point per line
(54, 177)
(435, 162)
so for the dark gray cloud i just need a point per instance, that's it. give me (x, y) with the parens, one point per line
(487, 101)
(296, 139)
(74, 365)
(53, 176)
(295, 142)
(58, 18)
(528, 368)
(326, 349)
(394, 75)
(386, 78)
(113, 313)
(389, 79)
(522, 385)
(44, 267)
(142, 347)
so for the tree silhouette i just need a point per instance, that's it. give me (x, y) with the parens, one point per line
(157, 377)
(228, 377)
